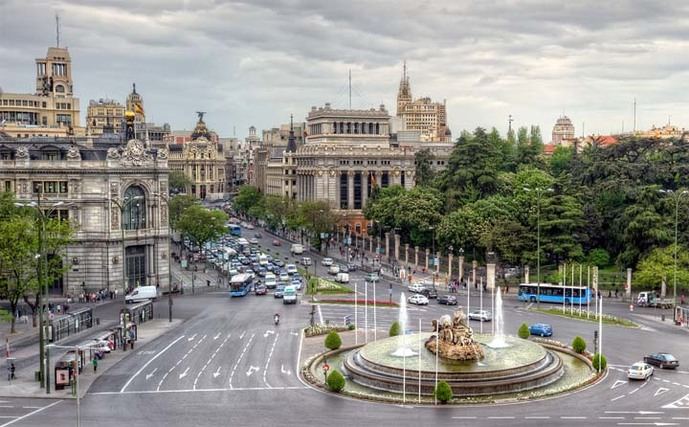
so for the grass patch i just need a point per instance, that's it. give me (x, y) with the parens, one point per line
(592, 317)
(327, 287)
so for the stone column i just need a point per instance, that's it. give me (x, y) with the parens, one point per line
(370, 243)
(436, 261)
(449, 266)
(416, 256)
(461, 268)
(474, 265)
(406, 253)
(387, 244)
(350, 190)
(428, 251)
(526, 274)
(364, 186)
(490, 275)
(397, 247)
(628, 285)
(377, 245)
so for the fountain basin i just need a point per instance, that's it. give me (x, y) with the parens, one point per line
(522, 366)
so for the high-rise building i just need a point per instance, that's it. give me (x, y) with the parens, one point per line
(563, 131)
(423, 115)
(52, 110)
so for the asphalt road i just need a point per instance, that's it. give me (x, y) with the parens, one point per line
(229, 365)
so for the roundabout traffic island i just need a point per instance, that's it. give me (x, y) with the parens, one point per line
(477, 368)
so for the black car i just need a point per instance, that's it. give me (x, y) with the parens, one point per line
(429, 293)
(447, 300)
(257, 235)
(351, 266)
(662, 360)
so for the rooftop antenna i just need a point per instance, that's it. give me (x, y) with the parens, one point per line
(350, 88)
(509, 123)
(57, 28)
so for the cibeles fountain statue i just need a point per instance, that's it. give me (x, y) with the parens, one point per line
(453, 339)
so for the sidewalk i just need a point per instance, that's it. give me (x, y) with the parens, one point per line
(200, 281)
(25, 386)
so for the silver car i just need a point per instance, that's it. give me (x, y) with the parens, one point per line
(480, 315)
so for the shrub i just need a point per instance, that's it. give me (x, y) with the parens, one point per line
(351, 327)
(523, 331)
(599, 361)
(578, 344)
(335, 381)
(394, 329)
(333, 340)
(443, 392)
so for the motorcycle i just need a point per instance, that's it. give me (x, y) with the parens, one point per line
(276, 319)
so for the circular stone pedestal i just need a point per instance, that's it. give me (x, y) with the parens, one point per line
(524, 365)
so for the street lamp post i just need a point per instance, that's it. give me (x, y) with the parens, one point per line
(539, 191)
(44, 363)
(677, 196)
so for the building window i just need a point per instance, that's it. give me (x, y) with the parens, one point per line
(343, 191)
(134, 206)
(59, 89)
(357, 191)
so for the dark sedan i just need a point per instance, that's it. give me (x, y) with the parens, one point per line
(430, 293)
(662, 360)
(261, 290)
(447, 300)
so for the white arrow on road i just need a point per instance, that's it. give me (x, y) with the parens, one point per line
(216, 373)
(216, 337)
(251, 370)
(184, 374)
(617, 384)
(282, 369)
(268, 332)
(660, 391)
(191, 338)
(148, 376)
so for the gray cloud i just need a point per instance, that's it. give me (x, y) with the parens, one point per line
(254, 62)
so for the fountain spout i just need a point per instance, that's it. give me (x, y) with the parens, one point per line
(402, 319)
(499, 337)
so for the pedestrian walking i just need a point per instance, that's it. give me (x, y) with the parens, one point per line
(94, 361)
(12, 371)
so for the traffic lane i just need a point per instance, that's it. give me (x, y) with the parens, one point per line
(20, 410)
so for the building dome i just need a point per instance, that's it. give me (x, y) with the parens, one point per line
(563, 130)
(201, 130)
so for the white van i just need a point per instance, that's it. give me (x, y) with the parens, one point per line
(289, 295)
(270, 281)
(263, 260)
(142, 293)
(342, 277)
(297, 249)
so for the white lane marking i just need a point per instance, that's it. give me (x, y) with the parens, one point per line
(162, 380)
(268, 332)
(239, 359)
(679, 403)
(617, 384)
(537, 418)
(30, 413)
(184, 374)
(616, 398)
(202, 390)
(320, 315)
(242, 335)
(635, 412)
(285, 371)
(251, 370)
(270, 355)
(191, 338)
(660, 391)
(148, 363)
(217, 336)
(148, 376)
(463, 418)
(500, 418)
(296, 334)
(210, 359)
(216, 373)
(647, 424)
(610, 418)
(572, 418)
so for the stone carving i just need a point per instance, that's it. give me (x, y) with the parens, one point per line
(135, 153)
(455, 338)
(114, 189)
(162, 154)
(22, 153)
(114, 218)
(73, 153)
(113, 154)
(163, 215)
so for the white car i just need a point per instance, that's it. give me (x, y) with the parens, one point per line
(291, 269)
(284, 277)
(253, 241)
(480, 315)
(334, 269)
(417, 299)
(327, 262)
(416, 288)
(639, 371)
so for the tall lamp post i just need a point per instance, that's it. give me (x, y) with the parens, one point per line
(539, 192)
(161, 196)
(677, 195)
(44, 364)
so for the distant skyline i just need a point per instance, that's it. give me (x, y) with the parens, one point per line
(255, 63)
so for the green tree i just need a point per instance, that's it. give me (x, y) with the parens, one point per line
(179, 204)
(201, 225)
(335, 381)
(424, 167)
(246, 198)
(178, 182)
(523, 331)
(317, 218)
(578, 345)
(599, 362)
(659, 265)
(562, 224)
(394, 329)
(443, 392)
(333, 340)
(599, 257)
(560, 161)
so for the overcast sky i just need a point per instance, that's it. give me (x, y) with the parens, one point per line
(255, 62)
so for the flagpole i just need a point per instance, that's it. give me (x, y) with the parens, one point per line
(419, 357)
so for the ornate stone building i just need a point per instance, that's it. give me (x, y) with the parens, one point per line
(115, 194)
(563, 131)
(202, 161)
(52, 110)
(424, 115)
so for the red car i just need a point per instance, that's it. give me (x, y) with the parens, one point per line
(276, 242)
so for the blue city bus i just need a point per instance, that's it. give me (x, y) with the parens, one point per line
(240, 284)
(554, 293)
(235, 230)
